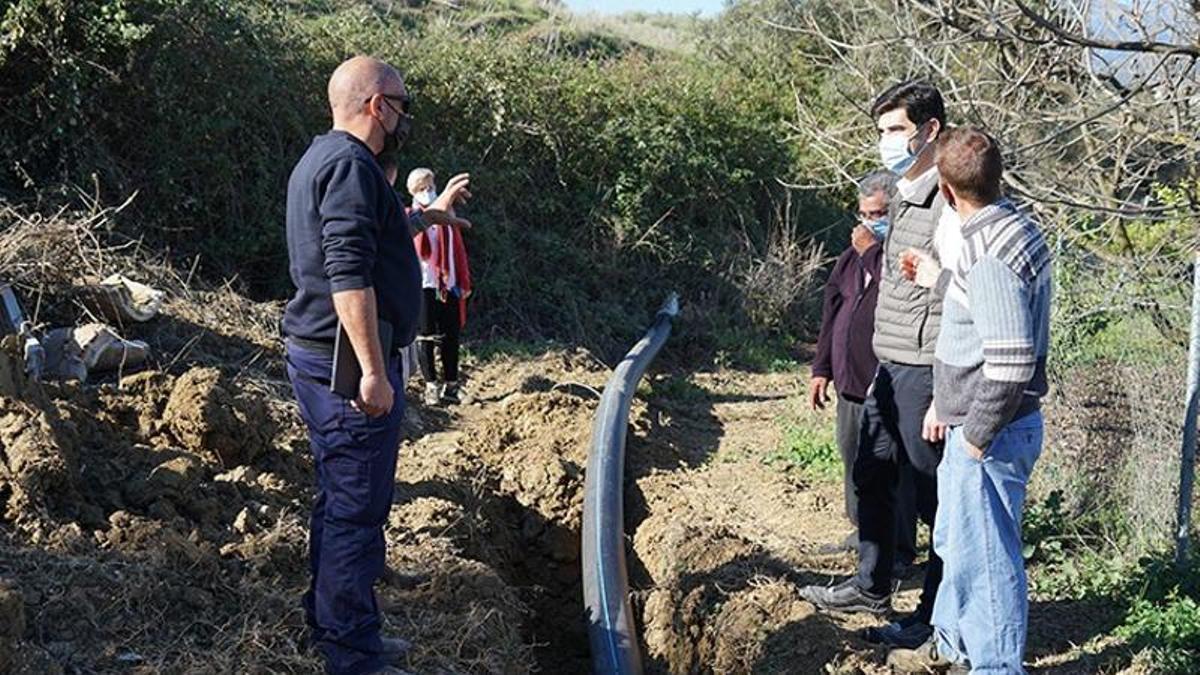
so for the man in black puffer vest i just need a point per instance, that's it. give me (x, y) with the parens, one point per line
(910, 117)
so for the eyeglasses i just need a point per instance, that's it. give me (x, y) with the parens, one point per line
(404, 101)
(872, 215)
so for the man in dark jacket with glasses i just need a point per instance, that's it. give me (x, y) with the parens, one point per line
(352, 261)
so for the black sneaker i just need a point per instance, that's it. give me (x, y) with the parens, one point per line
(909, 632)
(846, 597)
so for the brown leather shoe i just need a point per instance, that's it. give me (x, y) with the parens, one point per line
(924, 659)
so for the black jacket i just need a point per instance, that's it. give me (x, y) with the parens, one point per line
(347, 230)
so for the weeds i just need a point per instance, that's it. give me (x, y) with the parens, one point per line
(674, 389)
(811, 451)
(1081, 559)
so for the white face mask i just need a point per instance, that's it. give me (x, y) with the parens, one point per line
(894, 151)
(426, 197)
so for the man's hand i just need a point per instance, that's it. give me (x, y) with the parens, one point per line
(976, 453)
(357, 311)
(919, 267)
(375, 395)
(862, 238)
(457, 191)
(933, 429)
(818, 392)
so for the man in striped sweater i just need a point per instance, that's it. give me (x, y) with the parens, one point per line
(989, 376)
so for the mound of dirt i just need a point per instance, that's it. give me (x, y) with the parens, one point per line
(538, 442)
(687, 565)
(718, 602)
(40, 468)
(157, 523)
(207, 417)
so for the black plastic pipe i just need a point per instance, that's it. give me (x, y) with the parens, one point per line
(605, 578)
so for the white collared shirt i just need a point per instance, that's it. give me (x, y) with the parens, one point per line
(913, 188)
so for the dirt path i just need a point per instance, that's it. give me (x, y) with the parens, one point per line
(730, 535)
(724, 526)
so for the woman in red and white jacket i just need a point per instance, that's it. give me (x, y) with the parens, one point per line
(446, 285)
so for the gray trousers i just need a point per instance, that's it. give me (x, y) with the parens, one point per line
(849, 430)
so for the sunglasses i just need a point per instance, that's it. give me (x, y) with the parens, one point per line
(404, 101)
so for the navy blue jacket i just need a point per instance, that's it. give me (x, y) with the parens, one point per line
(346, 230)
(844, 352)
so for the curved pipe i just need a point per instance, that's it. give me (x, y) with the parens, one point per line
(605, 579)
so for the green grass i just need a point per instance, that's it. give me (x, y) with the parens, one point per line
(755, 350)
(1156, 605)
(812, 451)
(1130, 339)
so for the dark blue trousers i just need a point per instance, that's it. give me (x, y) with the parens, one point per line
(355, 462)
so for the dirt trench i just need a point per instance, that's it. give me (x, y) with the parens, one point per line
(721, 536)
(501, 480)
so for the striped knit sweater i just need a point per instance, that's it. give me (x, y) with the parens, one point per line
(990, 360)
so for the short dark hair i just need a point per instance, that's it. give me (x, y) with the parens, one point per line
(969, 161)
(918, 98)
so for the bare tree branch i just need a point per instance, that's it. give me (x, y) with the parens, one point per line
(1142, 46)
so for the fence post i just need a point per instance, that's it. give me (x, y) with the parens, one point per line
(1187, 470)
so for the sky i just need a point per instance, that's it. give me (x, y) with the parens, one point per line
(705, 7)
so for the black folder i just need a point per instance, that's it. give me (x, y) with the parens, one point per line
(347, 373)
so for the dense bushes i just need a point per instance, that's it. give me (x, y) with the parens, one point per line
(602, 180)
(192, 104)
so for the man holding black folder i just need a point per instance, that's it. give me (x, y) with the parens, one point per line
(358, 295)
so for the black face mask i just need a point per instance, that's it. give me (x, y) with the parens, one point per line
(399, 134)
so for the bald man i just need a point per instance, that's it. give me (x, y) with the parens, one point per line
(352, 262)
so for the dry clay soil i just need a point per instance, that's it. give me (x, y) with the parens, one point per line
(156, 524)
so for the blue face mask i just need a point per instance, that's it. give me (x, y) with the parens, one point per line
(880, 228)
(895, 153)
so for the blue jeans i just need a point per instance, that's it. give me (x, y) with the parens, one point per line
(355, 461)
(982, 610)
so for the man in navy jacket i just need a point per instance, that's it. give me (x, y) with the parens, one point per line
(352, 261)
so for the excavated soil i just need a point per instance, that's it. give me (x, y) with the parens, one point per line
(156, 523)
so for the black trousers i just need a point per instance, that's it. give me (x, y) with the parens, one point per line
(439, 331)
(891, 438)
(849, 433)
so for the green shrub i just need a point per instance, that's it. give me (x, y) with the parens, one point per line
(1171, 628)
(199, 106)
